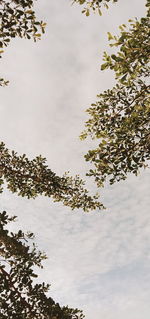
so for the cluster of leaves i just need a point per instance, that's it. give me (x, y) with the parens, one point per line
(20, 296)
(95, 5)
(31, 178)
(131, 61)
(17, 19)
(120, 119)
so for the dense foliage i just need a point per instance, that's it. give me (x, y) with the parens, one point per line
(31, 178)
(20, 296)
(120, 118)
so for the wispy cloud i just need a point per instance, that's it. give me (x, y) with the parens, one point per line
(98, 261)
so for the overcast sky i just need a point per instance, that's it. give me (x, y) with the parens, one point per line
(98, 262)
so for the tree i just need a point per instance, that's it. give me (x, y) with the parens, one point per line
(95, 5)
(20, 296)
(120, 118)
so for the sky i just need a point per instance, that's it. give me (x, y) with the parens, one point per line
(98, 262)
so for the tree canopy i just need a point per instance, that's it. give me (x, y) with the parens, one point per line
(20, 296)
(120, 118)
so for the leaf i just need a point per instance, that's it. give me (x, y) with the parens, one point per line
(87, 12)
(104, 66)
(110, 37)
(100, 12)
(123, 78)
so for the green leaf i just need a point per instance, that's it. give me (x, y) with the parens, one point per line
(110, 37)
(104, 66)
